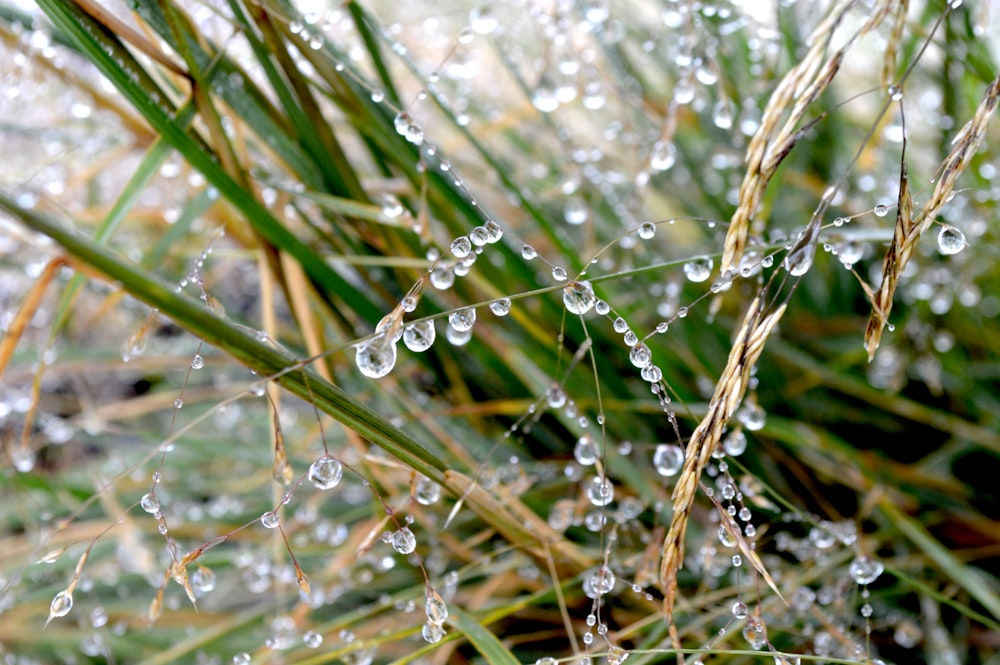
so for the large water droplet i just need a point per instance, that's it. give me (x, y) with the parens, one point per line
(699, 269)
(735, 443)
(482, 21)
(722, 114)
(462, 320)
(60, 606)
(555, 396)
(950, 240)
(865, 569)
(647, 230)
(376, 358)
(798, 261)
(403, 541)
(435, 608)
(419, 336)
(663, 156)
(528, 252)
(601, 491)
(269, 520)
(668, 458)
(461, 246)
(753, 417)
(600, 582)
(150, 503)
(576, 211)
(426, 491)
(585, 450)
(442, 277)
(559, 274)
(326, 472)
(500, 307)
(579, 297)
(432, 633)
(640, 355)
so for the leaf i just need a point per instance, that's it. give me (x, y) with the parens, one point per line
(485, 642)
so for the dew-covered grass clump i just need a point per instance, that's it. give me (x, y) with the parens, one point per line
(521, 332)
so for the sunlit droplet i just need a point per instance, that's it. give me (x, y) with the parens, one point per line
(60, 606)
(699, 269)
(601, 491)
(326, 472)
(579, 297)
(668, 458)
(950, 240)
(376, 358)
(647, 230)
(269, 520)
(419, 336)
(461, 247)
(403, 541)
(462, 320)
(150, 503)
(865, 569)
(500, 307)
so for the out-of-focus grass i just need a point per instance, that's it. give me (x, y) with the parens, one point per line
(254, 185)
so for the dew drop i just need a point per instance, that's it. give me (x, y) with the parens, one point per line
(403, 541)
(950, 240)
(699, 269)
(242, 658)
(432, 633)
(482, 21)
(178, 403)
(668, 458)
(462, 320)
(579, 297)
(600, 582)
(376, 358)
(559, 274)
(640, 355)
(461, 246)
(585, 451)
(602, 307)
(197, 362)
(555, 397)
(269, 520)
(726, 537)
(60, 606)
(150, 503)
(739, 610)
(662, 156)
(426, 491)
(479, 236)
(753, 417)
(881, 210)
(601, 491)
(493, 232)
(391, 206)
(419, 336)
(722, 114)
(647, 230)
(528, 252)
(576, 211)
(203, 579)
(378, 96)
(735, 443)
(620, 326)
(312, 639)
(435, 608)
(326, 472)
(442, 277)
(895, 93)
(865, 569)
(500, 307)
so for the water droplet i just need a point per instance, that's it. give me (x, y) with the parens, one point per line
(391, 206)
(419, 336)
(600, 582)
(197, 362)
(150, 503)
(726, 537)
(585, 451)
(576, 211)
(662, 156)
(555, 396)
(950, 240)
(881, 210)
(579, 297)
(203, 580)
(668, 458)
(376, 358)
(601, 491)
(312, 639)
(799, 260)
(378, 96)
(482, 21)
(493, 232)
(699, 269)
(620, 325)
(544, 99)
(178, 403)
(269, 520)
(739, 610)
(602, 307)
(735, 443)
(559, 274)
(23, 459)
(461, 247)
(442, 277)
(630, 338)
(432, 633)
(326, 472)
(528, 252)
(850, 252)
(647, 230)
(403, 541)
(640, 355)
(895, 93)
(242, 658)
(500, 307)
(753, 417)
(865, 569)
(462, 319)
(435, 608)
(60, 606)
(722, 114)
(479, 236)
(426, 491)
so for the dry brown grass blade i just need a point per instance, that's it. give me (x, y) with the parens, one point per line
(800, 87)
(729, 392)
(909, 229)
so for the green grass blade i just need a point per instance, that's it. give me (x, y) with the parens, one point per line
(485, 642)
